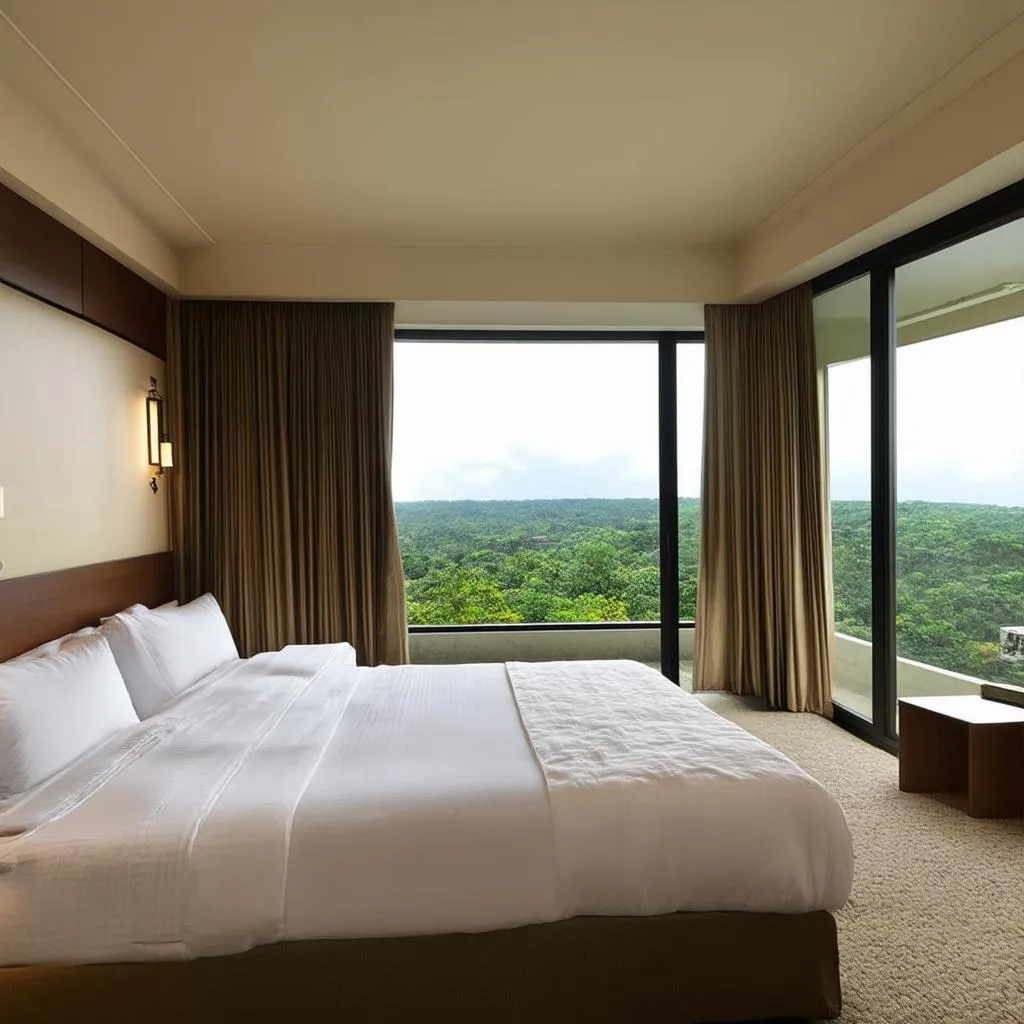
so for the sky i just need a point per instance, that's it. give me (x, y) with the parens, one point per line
(538, 420)
(959, 420)
(555, 420)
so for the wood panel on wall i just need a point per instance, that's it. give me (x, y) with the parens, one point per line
(38, 254)
(118, 299)
(45, 259)
(35, 609)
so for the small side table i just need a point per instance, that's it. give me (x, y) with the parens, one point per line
(964, 745)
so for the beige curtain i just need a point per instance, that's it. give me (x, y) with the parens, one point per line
(281, 494)
(763, 611)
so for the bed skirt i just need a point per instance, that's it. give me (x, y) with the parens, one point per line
(681, 968)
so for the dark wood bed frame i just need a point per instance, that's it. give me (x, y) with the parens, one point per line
(681, 968)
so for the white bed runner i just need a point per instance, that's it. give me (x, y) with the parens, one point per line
(658, 804)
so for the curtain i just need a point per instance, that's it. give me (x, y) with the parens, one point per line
(764, 618)
(281, 495)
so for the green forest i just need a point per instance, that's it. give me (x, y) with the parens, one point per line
(959, 577)
(960, 569)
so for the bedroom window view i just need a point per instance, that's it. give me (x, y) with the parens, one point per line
(960, 474)
(849, 435)
(843, 340)
(960, 467)
(960, 517)
(525, 479)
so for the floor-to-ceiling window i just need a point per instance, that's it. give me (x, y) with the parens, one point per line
(960, 464)
(526, 481)
(528, 475)
(924, 416)
(843, 344)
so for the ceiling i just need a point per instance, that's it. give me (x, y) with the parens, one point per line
(484, 122)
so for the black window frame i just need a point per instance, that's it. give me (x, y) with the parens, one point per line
(667, 342)
(880, 264)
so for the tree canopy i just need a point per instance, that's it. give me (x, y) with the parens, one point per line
(960, 569)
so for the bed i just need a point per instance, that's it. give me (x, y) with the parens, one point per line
(297, 835)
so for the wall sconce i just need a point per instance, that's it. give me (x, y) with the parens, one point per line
(161, 452)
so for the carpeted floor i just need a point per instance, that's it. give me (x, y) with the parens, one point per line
(934, 931)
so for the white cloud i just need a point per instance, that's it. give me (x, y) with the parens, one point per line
(959, 420)
(549, 419)
(532, 420)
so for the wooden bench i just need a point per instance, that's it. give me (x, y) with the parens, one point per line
(964, 744)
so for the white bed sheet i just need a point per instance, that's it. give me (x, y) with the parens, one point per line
(294, 796)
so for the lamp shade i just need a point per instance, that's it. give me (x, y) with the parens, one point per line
(166, 455)
(154, 417)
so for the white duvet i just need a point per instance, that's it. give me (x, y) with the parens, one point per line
(292, 796)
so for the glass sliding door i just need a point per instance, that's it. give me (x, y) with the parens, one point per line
(920, 344)
(843, 342)
(960, 466)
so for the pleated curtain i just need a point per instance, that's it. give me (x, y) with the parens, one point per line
(764, 617)
(281, 501)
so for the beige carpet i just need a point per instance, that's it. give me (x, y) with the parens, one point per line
(934, 931)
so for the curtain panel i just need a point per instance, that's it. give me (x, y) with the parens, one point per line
(281, 499)
(764, 617)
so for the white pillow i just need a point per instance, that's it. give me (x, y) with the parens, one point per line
(53, 646)
(138, 609)
(164, 651)
(346, 654)
(55, 707)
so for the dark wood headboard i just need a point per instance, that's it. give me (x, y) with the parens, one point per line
(34, 609)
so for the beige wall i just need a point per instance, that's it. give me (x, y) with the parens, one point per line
(72, 442)
(629, 315)
(566, 275)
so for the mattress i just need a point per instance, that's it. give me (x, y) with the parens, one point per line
(292, 796)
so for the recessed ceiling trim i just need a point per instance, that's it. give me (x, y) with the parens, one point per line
(106, 125)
